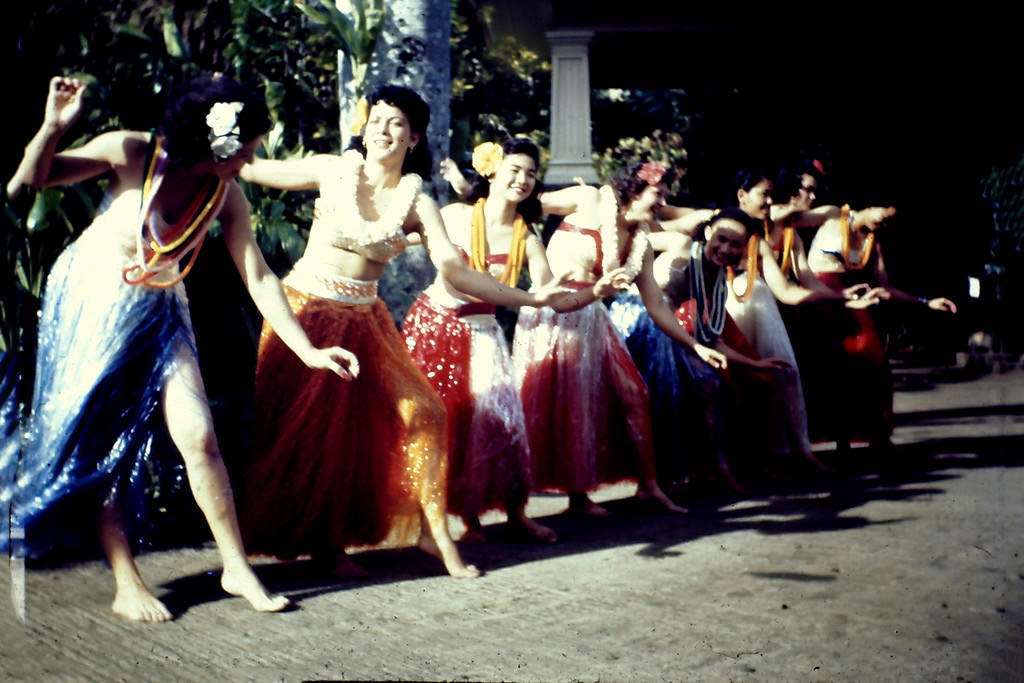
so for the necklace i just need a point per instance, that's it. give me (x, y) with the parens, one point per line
(478, 245)
(390, 222)
(608, 208)
(869, 242)
(788, 235)
(707, 330)
(162, 245)
(730, 274)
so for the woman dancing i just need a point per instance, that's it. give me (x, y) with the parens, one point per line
(752, 304)
(116, 352)
(344, 465)
(458, 344)
(854, 396)
(587, 408)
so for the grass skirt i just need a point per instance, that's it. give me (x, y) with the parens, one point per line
(586, 405)
(468, 362)
(342, 464)
(104, 354)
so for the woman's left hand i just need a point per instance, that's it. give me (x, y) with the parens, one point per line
(341, 362)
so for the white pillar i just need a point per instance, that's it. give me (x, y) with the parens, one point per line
(570, 109)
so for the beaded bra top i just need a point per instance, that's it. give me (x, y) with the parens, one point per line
(338, 221)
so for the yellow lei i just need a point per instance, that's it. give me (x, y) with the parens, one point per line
(478, 246)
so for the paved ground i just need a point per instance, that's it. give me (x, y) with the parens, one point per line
(907, 569)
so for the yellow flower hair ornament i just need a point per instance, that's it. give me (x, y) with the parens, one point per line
(487, 157)
(360, 116)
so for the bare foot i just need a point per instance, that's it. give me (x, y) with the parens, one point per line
(522, 526)
(727, 473)
(452, 562)
(811, 458)
(244, 584)
(582, 505)
(473, 537)
(656, 495)
(135, 602)
(344, 567)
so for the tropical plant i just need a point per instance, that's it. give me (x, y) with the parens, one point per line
(660, 145)
(1003, 189)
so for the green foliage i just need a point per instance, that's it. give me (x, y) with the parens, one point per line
(658, 146)
(1003, 189)
(355, 30)
(499, 88)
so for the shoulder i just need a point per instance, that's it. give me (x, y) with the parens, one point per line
(456, 211)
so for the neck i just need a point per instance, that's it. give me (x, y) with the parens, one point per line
(499, 209)
(380, 174)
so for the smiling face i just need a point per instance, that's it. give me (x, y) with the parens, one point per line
(515, 178)
(756, 201)
(648, 202)
(726, 239)
(806, 193)
(387, 133)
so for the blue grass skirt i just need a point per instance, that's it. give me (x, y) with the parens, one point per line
(105, 352)
(687, 413)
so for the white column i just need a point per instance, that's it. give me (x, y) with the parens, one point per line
(570, 109)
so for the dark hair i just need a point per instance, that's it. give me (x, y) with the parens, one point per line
(735, 213)
(183, 123)
(788, 181)
(529, 208)
(627, 184)
(417, 160)
(748, 178)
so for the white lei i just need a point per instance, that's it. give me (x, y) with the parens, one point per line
(608, 208)
(391, 221)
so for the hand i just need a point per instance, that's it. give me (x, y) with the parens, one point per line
(941, 303)
(772, 363)
(715, 359)
(341, 362)
(544, 294)
(856, 291)
(868, 298)
(450, 171)
(64, 101)
(611, 282)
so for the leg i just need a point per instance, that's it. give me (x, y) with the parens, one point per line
(435, 540)
(474, 530)
(630, 387)
(190, 425)
(132, 599)
(580, 504)
(521, 525)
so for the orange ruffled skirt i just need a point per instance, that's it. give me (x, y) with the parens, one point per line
(342, 464)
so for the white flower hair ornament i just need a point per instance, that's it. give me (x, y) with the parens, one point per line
(224, 131)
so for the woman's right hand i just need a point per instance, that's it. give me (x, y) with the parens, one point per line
(716, 359)
(64, 101)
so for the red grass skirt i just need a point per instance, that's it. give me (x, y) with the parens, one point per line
(342, 464)
(468, 362)
(587, 408)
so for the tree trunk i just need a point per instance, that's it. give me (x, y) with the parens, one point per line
(414, 51)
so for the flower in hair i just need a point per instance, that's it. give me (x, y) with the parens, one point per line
(487, 157)
(224, 131)
(360, 116)
(652, 172)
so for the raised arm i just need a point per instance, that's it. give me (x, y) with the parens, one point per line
(569, 199)
(41, 166)
(267, 293)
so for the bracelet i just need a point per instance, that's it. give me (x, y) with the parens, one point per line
(923, 300)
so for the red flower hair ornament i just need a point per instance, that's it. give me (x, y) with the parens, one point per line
(652, 172)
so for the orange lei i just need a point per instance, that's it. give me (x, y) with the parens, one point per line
(730, 274)
(478, 246)
(194, 218)
(869, 242)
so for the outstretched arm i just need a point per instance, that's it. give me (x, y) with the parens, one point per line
(940, 303)
(291, 174)
(268, 295)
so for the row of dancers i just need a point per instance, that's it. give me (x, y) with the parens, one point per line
(370, 436)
